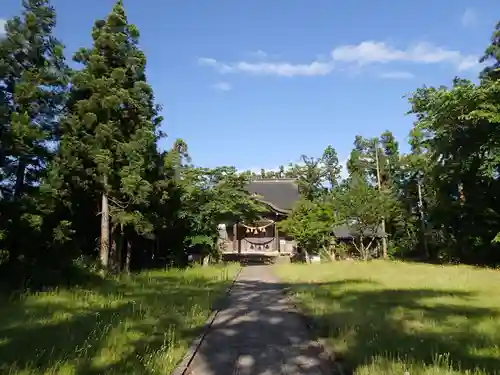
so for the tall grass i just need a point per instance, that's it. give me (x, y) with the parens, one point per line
(134, 325)
(391, 317)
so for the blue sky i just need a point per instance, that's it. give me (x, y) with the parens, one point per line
(257, 83)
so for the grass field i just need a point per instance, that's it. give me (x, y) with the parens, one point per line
(137, 325)
(383, 318)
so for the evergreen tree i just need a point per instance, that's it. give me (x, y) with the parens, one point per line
(33, 81)
(331, 166)
(33, 86)
(492, 53)
(108, 142)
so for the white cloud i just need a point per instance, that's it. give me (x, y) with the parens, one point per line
(370, 52)
(366, 52)
(397, 75)
(282, 69)
(469, 63)
(358, 55)
(3, 23)
(259, 54)
(222, 86)
(207, 61)
(469, 17)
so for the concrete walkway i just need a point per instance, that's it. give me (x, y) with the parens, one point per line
(257, 333)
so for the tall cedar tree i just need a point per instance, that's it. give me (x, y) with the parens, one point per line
(109, 137)
(33, 85)
(492, 54)
(33, 81)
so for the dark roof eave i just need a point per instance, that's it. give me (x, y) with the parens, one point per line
(351, 237)
(275, 208)
(344, 231)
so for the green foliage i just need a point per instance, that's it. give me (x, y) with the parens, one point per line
(315, 176)
(63, 147)
(331, 167)
(33, 85)
(210, 197)
(33, 78)
(311, 224)
(444, 192)
(447, 186)
(459, 133)
(492, 53)
(363, 207)
(70, 138)
(363, 204)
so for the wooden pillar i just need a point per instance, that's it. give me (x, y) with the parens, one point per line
(276, 237)
(235, 238)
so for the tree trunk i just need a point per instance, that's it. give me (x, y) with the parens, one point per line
(330, 250)
(306, 256)
(118, 258)
(128, 256)
(113, 250)
(384, 239)
(104, 248)
(364, 252)
(422, 220)
(205, 260)
(20, 173)
(382, 223)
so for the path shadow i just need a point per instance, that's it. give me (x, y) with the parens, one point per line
(254, 334)
(259, 332)
(404, 325)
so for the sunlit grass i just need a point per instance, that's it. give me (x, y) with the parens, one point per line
(391, 317)
(135, 325)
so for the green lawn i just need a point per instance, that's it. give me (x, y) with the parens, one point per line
(137, 325)
(382, 318)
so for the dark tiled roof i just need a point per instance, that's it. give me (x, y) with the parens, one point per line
(280, 194)
(346, 231)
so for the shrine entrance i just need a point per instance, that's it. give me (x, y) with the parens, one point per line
(258, 237)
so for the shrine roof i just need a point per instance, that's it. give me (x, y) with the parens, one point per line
(279, 194)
